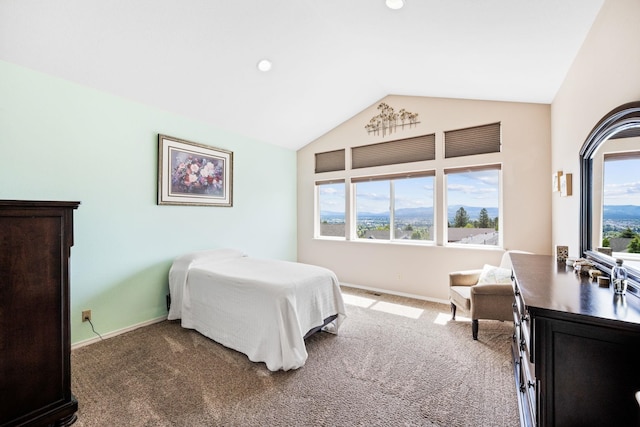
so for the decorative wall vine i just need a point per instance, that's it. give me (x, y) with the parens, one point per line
(388, 121)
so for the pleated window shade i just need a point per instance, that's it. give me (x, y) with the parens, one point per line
(631, 155)
(394, 176)
(395, 152)
(627, 133)
(473, 168)
(330, 161)
(470, 141)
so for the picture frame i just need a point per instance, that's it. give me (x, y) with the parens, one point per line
(194, 174)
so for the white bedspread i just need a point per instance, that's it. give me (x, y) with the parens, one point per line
(262, 308)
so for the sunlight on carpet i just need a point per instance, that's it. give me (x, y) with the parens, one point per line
(358, 301)
(398, 309)
(386, 307)
(444, 318)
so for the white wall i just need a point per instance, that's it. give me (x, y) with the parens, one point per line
(423, 270)
(62, 141)
(604, 75)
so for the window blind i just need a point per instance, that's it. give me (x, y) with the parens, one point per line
(406, 150)
(631, 132)
(404, 175)
(330, 181)
(630, 155)
(473, 168)
(330, 161)
(470, 141)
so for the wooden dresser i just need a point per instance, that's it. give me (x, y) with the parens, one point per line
(35, 343)
(576, 347)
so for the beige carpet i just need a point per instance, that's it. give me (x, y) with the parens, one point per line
(383, 369)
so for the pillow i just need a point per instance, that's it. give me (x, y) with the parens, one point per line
(491, 274)
(200, 257)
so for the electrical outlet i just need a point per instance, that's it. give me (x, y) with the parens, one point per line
(86, 315)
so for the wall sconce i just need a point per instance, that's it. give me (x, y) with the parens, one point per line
(566, 185)
(555, 181)
(562, 182)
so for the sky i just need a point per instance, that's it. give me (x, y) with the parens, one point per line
(622, 182)
(479, 188)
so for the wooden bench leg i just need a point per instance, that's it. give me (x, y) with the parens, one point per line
(474, 328)
(453, 311)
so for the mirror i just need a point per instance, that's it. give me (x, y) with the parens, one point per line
(617, 132)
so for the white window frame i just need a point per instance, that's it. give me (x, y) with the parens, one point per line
(317, 209)
(445, 207)
(392, 178)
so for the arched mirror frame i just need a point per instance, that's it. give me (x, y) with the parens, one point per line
(621, 122)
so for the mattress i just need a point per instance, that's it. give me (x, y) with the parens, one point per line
(260, 307)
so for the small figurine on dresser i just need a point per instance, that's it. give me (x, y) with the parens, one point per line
(619, 278)
(582, 266)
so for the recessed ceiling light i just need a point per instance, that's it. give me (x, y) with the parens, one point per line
(264, 65)
(394, 4)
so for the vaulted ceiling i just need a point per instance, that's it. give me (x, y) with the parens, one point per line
(331, 59)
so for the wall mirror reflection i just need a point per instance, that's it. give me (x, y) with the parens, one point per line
(610, 191)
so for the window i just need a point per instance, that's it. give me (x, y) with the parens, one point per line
(473, 205)
(331, 200)
(373, 217)
(396, 200)
(398, 207)
(413, 208)
(621, 202)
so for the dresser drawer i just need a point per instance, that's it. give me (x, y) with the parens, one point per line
(527, 384)
(522, 323)
(527, 393)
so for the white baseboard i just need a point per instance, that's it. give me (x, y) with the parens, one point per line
(162, 318)
(117, 332)
(400, 294)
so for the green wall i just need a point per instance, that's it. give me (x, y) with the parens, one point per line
(63, 141)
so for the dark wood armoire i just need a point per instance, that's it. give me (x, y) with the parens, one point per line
(35, 342)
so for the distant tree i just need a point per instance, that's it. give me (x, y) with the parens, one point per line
(627, 233)
(634, 245)
(420, 234)
(496, 224)
(483, 219)
(461, 219)
(606, 243)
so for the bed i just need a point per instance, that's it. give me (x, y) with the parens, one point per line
(263, 308)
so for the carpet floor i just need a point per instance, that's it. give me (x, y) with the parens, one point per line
(395, 362)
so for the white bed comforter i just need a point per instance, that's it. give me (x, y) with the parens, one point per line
(262, 308)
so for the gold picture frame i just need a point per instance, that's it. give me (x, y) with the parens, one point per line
(193, 174)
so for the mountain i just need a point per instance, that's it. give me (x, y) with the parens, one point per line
(407, 213)
(620, 212)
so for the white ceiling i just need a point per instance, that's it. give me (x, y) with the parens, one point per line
(331, 58)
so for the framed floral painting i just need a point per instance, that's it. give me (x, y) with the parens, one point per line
(193, 174)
